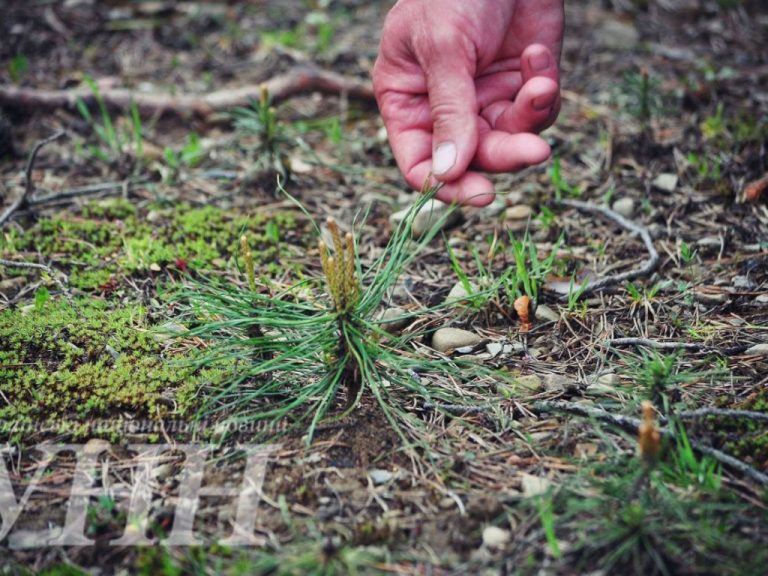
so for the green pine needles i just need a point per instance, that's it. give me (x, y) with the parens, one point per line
(291, 354)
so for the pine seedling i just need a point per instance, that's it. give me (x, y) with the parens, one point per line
(648, 437)
(247, 255)
(290, 355)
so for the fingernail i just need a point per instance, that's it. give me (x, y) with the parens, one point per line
(443, 158)
(539, 62)
(543, 102)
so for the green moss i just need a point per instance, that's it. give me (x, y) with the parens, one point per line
(56, 365)
(746, 439)
(110, 240)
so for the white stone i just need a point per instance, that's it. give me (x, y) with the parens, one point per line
(459, 292)
(624, 207)
(446, 339)
(394, 319)
(545, 313)
(379, 477)
(534, 485)
(609, 379)
(519, 212)
(495, 537)
(758, 349)
(428, 216)
(666, 182)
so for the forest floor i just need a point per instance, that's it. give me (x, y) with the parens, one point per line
(664, 122)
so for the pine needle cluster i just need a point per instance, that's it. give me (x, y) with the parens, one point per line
(309, 353)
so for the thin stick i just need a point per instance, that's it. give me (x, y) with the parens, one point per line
(633, 425)
(78, 192)
(456, 408)
(653, 256)
(300, 79)
(50, 271)
(722, 412)
(28, 184)
(691, 346)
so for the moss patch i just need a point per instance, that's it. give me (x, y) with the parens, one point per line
(109, 240)
(56, 366)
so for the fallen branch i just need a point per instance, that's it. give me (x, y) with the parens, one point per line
(690, 346)
(298, 80)
(653, 256)
(89, 190)
(29, 186)
(632, 425)
(723, 413)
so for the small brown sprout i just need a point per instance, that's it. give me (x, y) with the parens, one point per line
(649, 437)
(523, 306)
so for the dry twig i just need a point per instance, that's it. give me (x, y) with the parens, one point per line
(29, 186)
(653, 256)
(633, 425)
(298, 80)
(54, 274)
(690, 346)
(91, 189)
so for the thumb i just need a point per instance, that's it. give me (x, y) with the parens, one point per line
(453, 101)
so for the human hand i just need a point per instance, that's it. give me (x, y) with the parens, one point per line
(465, 85)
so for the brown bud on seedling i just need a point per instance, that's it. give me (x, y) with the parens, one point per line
(649, 437)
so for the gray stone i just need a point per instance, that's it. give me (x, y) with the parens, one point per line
(394, 319)
(665, 182)
(519, 212)
(447, 339)
(545, 313)
(495, 537)
(428, 216)
(379, 477)
(459, 293)
(534, 485)
(758, 350)
(624, 207)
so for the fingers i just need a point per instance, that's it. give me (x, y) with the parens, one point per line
(453, 102)
(534, 109)
(538, 61)
(471, 189)
(500, 151)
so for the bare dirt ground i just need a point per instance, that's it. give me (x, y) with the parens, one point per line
(665, 122)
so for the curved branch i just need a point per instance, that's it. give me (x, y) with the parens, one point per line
(645, 270)
(298, 80)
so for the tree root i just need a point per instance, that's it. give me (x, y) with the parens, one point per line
(298, 80)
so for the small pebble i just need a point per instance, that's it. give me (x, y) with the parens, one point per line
(666, 182)
(534, 485)
(495, 537)
(609, 379)
(546, 314)
(758, 350)
(394, 319)
(427, 217)
(624, 207)
(379, 477)
(459, 292)
(446, 339)
(519, 212)
(743, 282)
